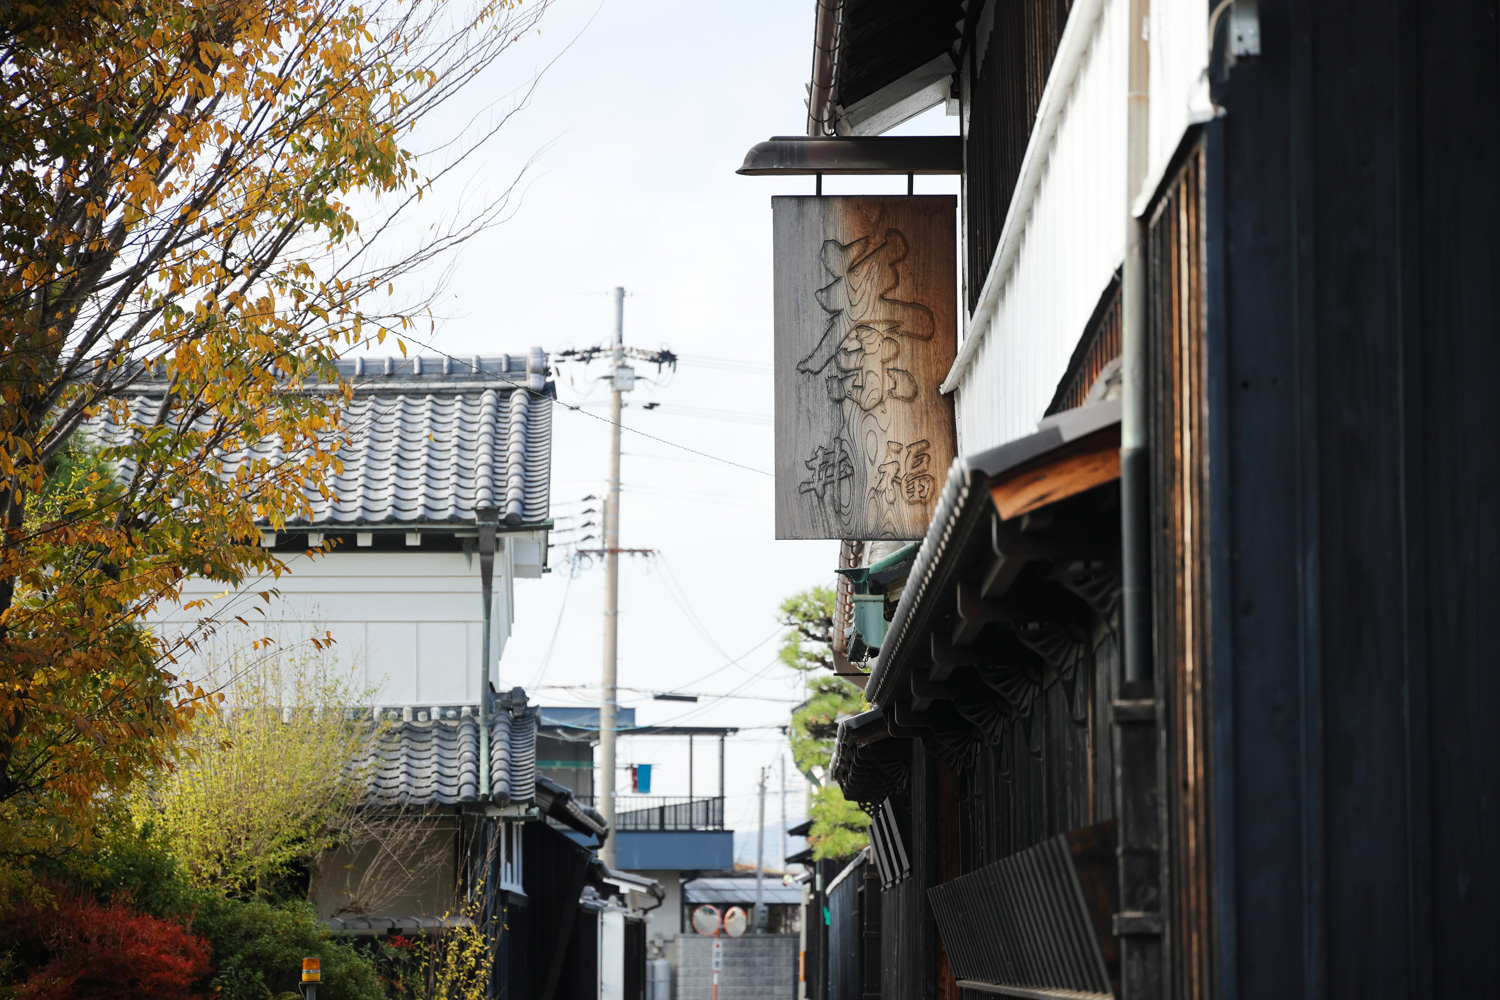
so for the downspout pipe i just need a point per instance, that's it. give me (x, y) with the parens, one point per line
(1135, 468)
(820, 114)
(1143, 875)
(487, 522)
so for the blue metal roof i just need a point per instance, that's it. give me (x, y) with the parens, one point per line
(584, 717)
(740, 891)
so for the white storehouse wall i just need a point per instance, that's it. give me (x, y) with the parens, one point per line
(1063, 240)
(407, 624)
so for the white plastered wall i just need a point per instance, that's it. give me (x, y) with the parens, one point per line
(407, 624)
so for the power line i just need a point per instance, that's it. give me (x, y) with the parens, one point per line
(652, 437)
(695, 710)
(726, 364)
(708, 413)
(653, 691)
(547, 657)
(736, 661)
(578, 409)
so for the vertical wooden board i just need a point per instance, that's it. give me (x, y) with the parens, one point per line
(866, 330)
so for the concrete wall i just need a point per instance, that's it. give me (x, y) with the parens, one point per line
(410, 874)
(755, 968)
(664, 922)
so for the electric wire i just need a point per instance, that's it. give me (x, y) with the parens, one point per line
(579, 409)
(693, 712)
(726, 364)
(653, 691)
(547, 657)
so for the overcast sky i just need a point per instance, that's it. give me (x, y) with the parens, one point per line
(636, 131)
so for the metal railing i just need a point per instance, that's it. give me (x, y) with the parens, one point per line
(665, 812)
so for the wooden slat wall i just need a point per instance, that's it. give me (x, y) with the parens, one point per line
(1355, 339)
(907, 933)
(1056, 776)
(1179, 450)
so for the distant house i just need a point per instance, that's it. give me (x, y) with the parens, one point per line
(462, 831)
(441, 505)
(443, 502)
(666, 840)
(445, 806)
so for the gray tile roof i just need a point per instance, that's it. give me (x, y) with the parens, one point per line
(430, 757)
(561, 804)
(432, 441)
(400, 925)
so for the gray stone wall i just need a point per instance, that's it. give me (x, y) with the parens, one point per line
(756, 967)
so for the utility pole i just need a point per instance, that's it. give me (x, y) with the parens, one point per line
(760, 859)
(622, 380)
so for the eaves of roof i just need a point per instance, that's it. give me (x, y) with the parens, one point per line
(558, 802)
(739, 891)
(866, 763)
(965, 507)
(876, 62)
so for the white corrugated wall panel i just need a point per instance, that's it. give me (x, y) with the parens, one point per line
(1178, 85)
(1068, 244)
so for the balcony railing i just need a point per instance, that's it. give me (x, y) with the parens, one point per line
(665, 812)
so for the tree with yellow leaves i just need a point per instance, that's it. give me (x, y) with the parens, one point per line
(266, 780)
(181, 262)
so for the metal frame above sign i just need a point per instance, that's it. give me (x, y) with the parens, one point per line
(866, 330)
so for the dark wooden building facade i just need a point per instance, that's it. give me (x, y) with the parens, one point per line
(1292, 792)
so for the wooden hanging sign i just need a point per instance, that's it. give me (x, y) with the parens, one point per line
(866, 331)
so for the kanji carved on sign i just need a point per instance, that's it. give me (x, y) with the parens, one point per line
(906, 474)
(865, 333)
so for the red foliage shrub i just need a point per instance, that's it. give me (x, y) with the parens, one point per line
(80, 950)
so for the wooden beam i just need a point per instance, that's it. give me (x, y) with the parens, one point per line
(902, 721)
(946, 658)
(974, 613)
(854, 676)
(965, 688)
(924, 690)
(1057, 477)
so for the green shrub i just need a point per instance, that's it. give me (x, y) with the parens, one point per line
(132, 865)
(258, 949)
